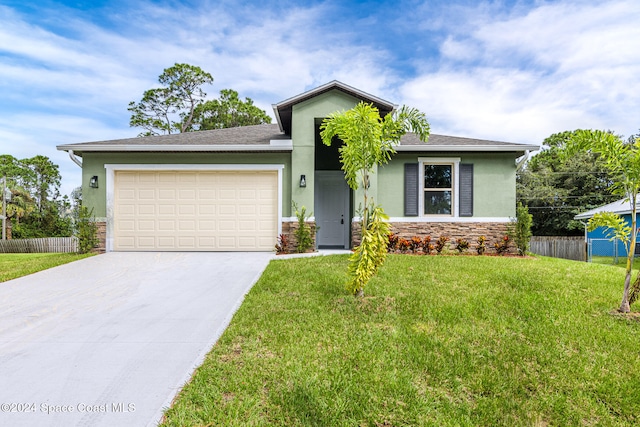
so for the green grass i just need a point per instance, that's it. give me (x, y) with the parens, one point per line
(13, 266)
(437, 341)
(622, 261)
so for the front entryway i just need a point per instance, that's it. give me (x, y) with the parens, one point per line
(332, 198)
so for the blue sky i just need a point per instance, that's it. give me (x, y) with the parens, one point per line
(514, 71)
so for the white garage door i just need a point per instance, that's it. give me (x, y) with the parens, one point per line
(195, 210)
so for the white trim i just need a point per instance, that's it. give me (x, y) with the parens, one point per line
(455, 161)
(466, 148)
(286, 146)
(447, 219)
(112, 168)
(281, 143)
(295, 219)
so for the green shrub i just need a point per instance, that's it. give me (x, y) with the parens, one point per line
(86, 230)
(522, 229)
(303, 234)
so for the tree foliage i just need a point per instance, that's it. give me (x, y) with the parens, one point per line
(228, 111)
(36, 208)
(368, 141)
(181, 105)
(622, 159)
(556, 186)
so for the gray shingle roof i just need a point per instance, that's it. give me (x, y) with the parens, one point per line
(245, 135)
(268, 137)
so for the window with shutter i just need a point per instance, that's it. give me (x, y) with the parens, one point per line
(438, 187)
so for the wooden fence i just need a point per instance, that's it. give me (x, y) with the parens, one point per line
(47, 244)
(567, 247)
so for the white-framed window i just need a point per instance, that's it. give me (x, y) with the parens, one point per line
(438, 186)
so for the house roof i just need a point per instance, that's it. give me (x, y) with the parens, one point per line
(268, 137)
(245, 138)
(411, 142)
(620, 207)
(284, 109)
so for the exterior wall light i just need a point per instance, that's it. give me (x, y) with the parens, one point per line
(93, 182)
(303, 181)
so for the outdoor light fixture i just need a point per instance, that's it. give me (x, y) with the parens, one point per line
(303, 181)
(93, 182)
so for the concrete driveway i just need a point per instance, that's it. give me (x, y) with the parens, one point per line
(110, 340)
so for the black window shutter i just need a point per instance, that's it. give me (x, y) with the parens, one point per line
(466, 189)
(411, 189)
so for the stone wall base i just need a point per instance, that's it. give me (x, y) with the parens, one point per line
(101, 247)
(469, 231)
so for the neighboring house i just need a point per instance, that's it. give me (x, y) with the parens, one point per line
(232, 189)
(599, 243)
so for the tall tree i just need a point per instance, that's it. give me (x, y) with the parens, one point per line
(228, 111)
(170, 109)
(42, 179)
(622, 159)
(181, 105)
(368, 141)
(556, 187)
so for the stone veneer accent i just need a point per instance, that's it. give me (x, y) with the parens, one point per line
(101, 247)
(469, 231)
(289, 229)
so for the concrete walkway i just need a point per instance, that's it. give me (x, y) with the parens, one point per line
(110, 340)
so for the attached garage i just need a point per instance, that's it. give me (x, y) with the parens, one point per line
(193, 210)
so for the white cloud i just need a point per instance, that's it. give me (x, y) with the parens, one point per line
(560, 66)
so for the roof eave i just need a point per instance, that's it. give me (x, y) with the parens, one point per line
(281, 145)
(465, 148)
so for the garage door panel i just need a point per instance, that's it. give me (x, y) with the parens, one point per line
(166, 177)
(199, 210)
(187, 209)
(166, 225)
(164, 209)
(129, 194)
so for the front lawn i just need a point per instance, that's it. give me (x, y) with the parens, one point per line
(438, 340)
(13, 266)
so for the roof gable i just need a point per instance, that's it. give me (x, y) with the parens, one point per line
(283, 110)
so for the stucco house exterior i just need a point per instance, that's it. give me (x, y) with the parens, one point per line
(232, 189)
(598, 242)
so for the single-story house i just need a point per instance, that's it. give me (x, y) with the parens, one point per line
(232, 189)
(600, 244)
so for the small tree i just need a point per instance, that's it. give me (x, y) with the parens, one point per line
(622, 159)
(369, 141)
(522, 229)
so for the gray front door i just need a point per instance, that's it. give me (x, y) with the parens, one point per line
(332, 209)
